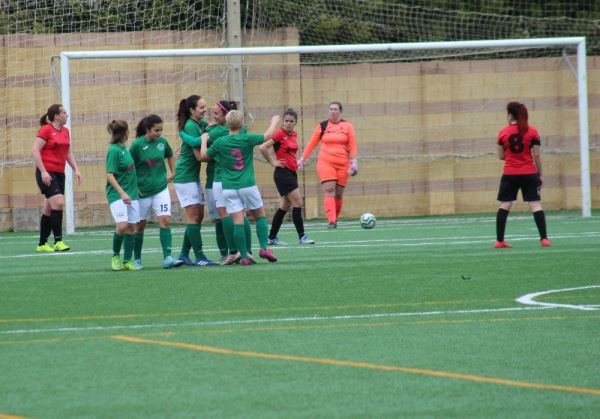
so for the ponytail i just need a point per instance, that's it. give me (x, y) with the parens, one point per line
(520, 115)
(183, 113)
(146, 123)
(48, 117)
(118, 130)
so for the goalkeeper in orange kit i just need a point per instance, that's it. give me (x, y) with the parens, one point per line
(336, 160)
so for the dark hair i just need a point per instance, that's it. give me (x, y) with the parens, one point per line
(50, 114)
(118, 131)
(146, 123)
(519, 114)
(335, 102)
(227, 105)
(183, 113)
(291, 112)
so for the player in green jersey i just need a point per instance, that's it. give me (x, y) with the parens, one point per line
(214, 190)
(122, 194)
(149, 152)
(187, 178)
(234, 152)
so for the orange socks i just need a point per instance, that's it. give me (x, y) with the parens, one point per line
(338, 207)
(330, 208)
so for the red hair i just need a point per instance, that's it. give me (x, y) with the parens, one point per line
(519, 114)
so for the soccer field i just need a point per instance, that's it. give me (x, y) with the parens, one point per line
(417, 317)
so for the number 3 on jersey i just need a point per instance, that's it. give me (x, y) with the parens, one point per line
(239, 159)
(515, 143)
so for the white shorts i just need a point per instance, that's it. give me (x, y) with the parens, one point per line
(242, 199)
(122, 212)
(189, 194)
(218, 194)
(160, 204)
(213, 212)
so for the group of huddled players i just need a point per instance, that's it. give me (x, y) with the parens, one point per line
(230, 185)
(137, 179)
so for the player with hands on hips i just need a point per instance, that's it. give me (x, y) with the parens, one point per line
(285, 146)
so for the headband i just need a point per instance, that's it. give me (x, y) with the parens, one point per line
(222, 107)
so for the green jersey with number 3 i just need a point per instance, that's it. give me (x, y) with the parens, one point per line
(213, 168)
(235, 154)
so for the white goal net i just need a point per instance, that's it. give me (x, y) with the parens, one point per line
(426, 115)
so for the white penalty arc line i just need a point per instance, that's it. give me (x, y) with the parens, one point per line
(529, 299)
(267, 320)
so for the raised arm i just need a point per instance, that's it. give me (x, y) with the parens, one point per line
(190, 139)
(272, 127)
(203, 148)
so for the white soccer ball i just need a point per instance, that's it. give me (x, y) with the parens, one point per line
(367, 221)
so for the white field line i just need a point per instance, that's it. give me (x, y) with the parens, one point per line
(310, 225)
(416, 242)
(268, 320)
(529, 299)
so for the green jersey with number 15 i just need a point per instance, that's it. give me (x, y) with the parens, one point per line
(149, 158)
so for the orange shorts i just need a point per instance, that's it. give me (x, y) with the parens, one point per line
(328, 171)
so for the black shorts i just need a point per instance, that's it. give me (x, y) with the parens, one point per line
(56, 187)
(529, 185)
(286, 180)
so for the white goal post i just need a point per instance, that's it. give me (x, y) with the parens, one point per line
(580, 74)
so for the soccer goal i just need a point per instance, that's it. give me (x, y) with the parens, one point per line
(426, 114)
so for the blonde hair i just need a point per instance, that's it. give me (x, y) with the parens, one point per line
(234, 119)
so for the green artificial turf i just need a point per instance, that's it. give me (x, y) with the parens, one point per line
(415, 318)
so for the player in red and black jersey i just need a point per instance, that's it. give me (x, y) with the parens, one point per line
(286, 179)
(519, 147)
(51, 151)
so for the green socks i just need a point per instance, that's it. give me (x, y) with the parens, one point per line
(248, 231)
(221, 242)
(128, 243)
(193, 233)
(166, 241)
(137, 246)
(229, 236)
(262, 231)
(186, 245)
(240, 239)
(117, 243)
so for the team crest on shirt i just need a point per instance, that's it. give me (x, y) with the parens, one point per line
(160, 146)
